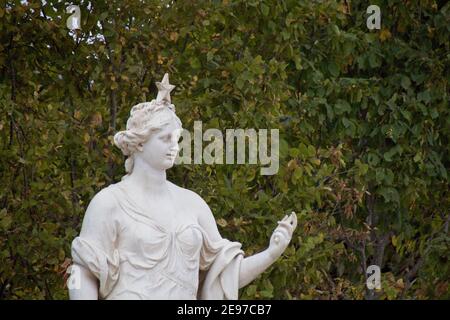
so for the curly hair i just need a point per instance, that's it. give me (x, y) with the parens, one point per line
(145, 119)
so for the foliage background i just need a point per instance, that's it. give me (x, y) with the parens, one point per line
(363, 115)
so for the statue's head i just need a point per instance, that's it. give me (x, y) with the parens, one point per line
(152, 132)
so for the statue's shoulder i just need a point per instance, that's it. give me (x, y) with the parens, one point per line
(104, 200)
(189, 198)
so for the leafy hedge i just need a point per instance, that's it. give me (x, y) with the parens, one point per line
(363, 117)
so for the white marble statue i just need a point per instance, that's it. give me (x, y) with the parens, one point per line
(147, 238)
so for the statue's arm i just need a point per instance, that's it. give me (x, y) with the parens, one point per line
(253, 266)
(97, 228)
(88, 285)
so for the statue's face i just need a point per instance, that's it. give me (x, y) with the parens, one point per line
(161, 148)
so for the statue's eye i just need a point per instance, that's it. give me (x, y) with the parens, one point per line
(166, 138)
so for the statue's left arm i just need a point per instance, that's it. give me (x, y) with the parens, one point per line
(252, 266)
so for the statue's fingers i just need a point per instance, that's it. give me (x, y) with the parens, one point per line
(289, 228)
(294, 220)
(289, 220)
(277, 235)
(291, 217)
(276, 238)
(285, 227)
(285, 223)
(283, 230)
(285, 219)
(283, 234)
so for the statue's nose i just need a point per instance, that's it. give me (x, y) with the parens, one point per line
(175, 147)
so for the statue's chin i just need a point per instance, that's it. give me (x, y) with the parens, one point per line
(169, 164)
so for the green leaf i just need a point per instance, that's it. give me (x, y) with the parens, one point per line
(373, 159)
(374, 61)
(333, 68)
(405, 82)
(264, 9)
(195, 63)
(346, 122)
(5, 220)
(103, 16)
(342, 106)
(390, 194)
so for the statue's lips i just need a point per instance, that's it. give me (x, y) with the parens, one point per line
(171, 155)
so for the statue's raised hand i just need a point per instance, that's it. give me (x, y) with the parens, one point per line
(282, 235)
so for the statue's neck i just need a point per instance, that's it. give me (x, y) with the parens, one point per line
(148, 178)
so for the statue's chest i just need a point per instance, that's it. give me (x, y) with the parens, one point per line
(168, 214)
(159, 238)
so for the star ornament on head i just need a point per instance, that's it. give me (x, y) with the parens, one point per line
(164, 88)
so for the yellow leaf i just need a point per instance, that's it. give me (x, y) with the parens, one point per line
(222, 222)
(385, 34)
(77, 114)
(344, 8)
(160, 59)
(96, 119)
(292, 164)
(173, 36)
